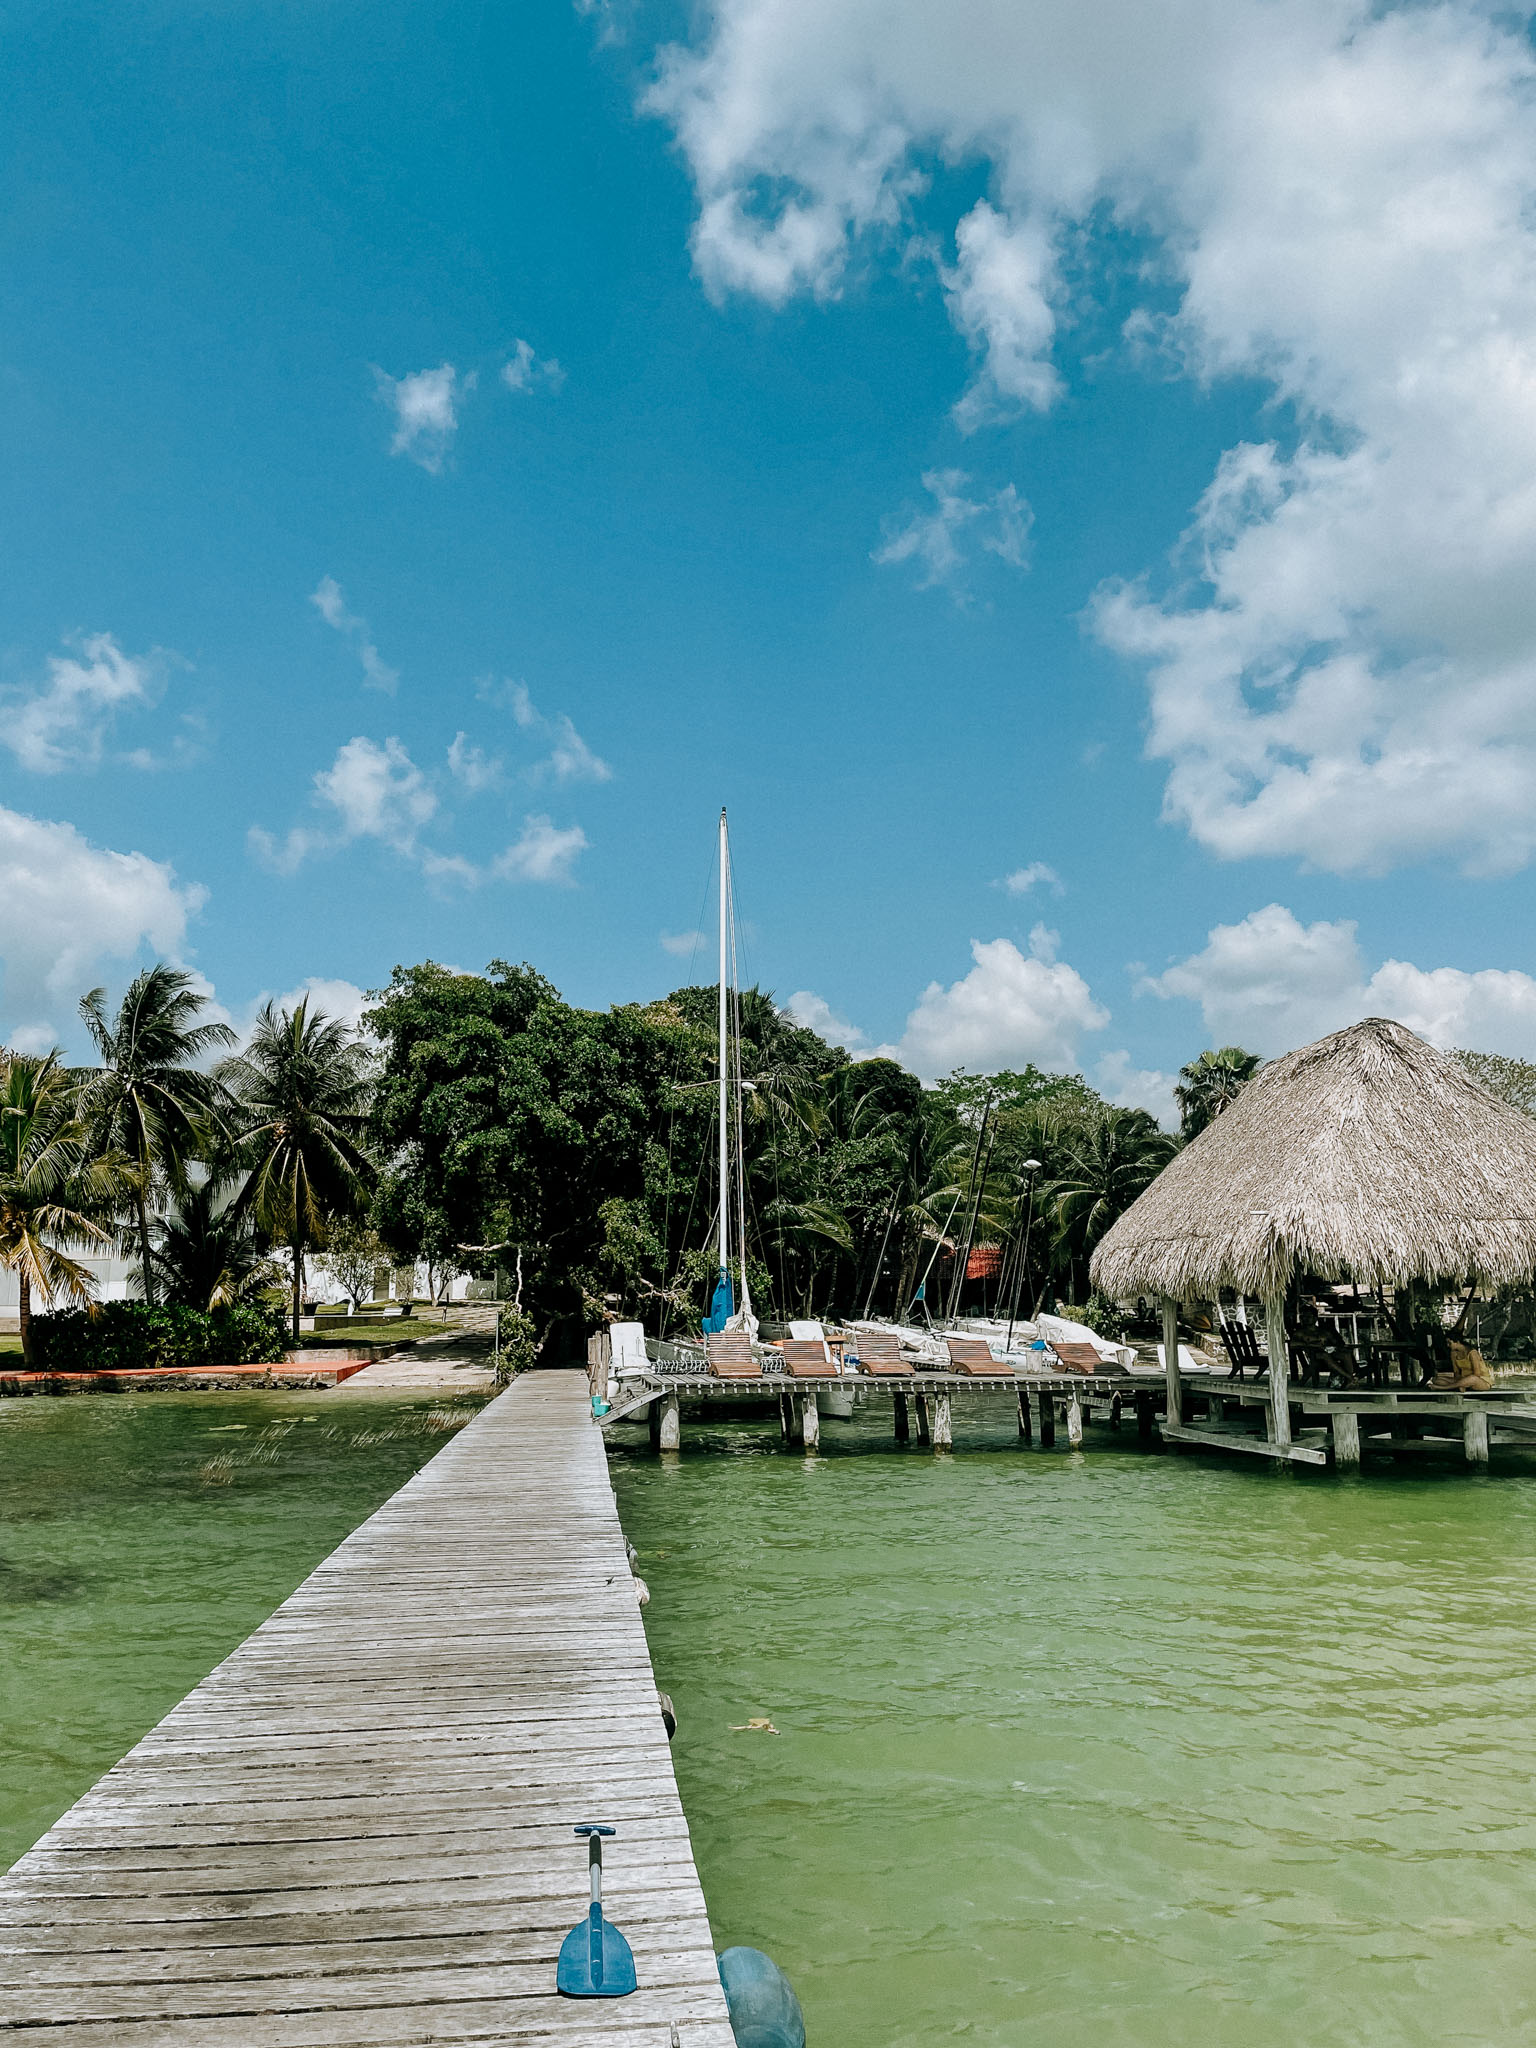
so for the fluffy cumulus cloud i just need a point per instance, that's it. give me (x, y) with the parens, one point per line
(543, 852)
(818, 1015)
(67, 720)
(1010, 1009)
(1119, 1080)
(1272, 983)
(329, 602)
(71, 908)
(1035, 876)
(425, 407)
(569, 758)
(940, 543)
(1333, 197)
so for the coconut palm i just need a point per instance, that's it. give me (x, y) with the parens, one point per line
(207, 1254)
(1107, 1159)
(53, 1191)
(148, 1100)
(1211, 1084)
(300, 1095)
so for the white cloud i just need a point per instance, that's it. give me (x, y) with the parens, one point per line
(373, 791)
(471, 765)
(1010, 1009)
(1272, 983)
(342, 1000)
(70, 906)
(525, 370)
(1000, 523)
(329, 602)
(816, 1014)
(1340, 199)
(66, 723)
(681, 944)
(426, 409)
(569, 759)
(1130, 1087)
(1022, 880)
(543, 853)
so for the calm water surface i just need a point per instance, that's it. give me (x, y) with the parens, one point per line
(142, 1537)
(1113, 1748)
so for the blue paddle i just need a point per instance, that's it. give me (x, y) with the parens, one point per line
(595, 1959)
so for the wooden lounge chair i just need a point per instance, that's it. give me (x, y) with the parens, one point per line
(1243, 1349)
(806, 1358)
(973, 1356)
(1083, 1358)
(729, 1353)
(879, 1353)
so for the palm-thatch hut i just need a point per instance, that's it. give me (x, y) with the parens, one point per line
(1368, 1156)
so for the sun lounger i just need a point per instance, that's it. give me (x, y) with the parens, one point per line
(973, 1355)
(879, 1353)
(807, 1358)
(628, 1349)
(1083, 1358)
(729, 1353)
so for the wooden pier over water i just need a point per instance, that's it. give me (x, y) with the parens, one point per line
(357, 1831)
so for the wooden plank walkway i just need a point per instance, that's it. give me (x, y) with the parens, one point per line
(357, 1831)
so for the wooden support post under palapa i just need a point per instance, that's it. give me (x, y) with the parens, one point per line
(1475, 1436)
(1279, 1371)
(1171, 1378)
(1346, 1437)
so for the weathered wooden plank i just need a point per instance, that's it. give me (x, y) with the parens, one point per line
(356, 1833)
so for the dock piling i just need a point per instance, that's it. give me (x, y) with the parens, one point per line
(1346, 1438)
(1475, 1436)
(1026, 1432)
(924, 1431)
(943, 1433)
(810, 1422)
(670, 1431)
(1047, 1420)
(903, 1419)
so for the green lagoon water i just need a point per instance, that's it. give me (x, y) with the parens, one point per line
(143, 1537)
(1119, 1748)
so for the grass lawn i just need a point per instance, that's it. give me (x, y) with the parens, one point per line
(10, 1340)
(395, 1331)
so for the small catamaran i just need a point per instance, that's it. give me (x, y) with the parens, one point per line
(724, 1314)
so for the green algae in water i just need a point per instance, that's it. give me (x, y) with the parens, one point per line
(1123, 1750)
(143, 1537)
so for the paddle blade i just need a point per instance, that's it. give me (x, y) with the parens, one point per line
(595, 1960)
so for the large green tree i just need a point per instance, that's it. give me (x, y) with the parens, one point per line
(56, 1192)
(150, 1101)
(299, 1098)
(1105, 1160)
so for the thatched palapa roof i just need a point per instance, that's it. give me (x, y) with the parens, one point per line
(1368, 1156)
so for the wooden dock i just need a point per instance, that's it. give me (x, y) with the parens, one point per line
(358, 1830)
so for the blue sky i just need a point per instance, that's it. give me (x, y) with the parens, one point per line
(446, 451)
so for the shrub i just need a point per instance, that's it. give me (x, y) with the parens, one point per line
(136, 1336)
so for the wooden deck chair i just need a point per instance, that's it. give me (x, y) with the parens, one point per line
(879, 1352)
(729, 1353)
(1242, 1345)
(973, 1355)
(1083, 1358)
(807, 1358)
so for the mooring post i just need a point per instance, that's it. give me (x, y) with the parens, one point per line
(943, 1435)
(903, 1420)
(1171, 1378)
(1025, 1431)
(924, 1432)
(1346, 1437)
(1145, 1416)
(1279, 1370)
(1475, 1436)
(810, 1422)
(1047, 1419)
(670, 1428)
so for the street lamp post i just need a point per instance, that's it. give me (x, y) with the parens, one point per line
(1031, 1168)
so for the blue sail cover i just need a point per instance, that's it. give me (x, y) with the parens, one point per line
(723, 1305)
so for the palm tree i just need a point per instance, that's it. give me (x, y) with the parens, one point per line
(148, 1101)
(207, 1254)
(1211, 1084)
(1107, 1159)
(300, 1094)
(52, 1190)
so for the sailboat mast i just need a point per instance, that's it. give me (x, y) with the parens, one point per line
(725, 1149)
